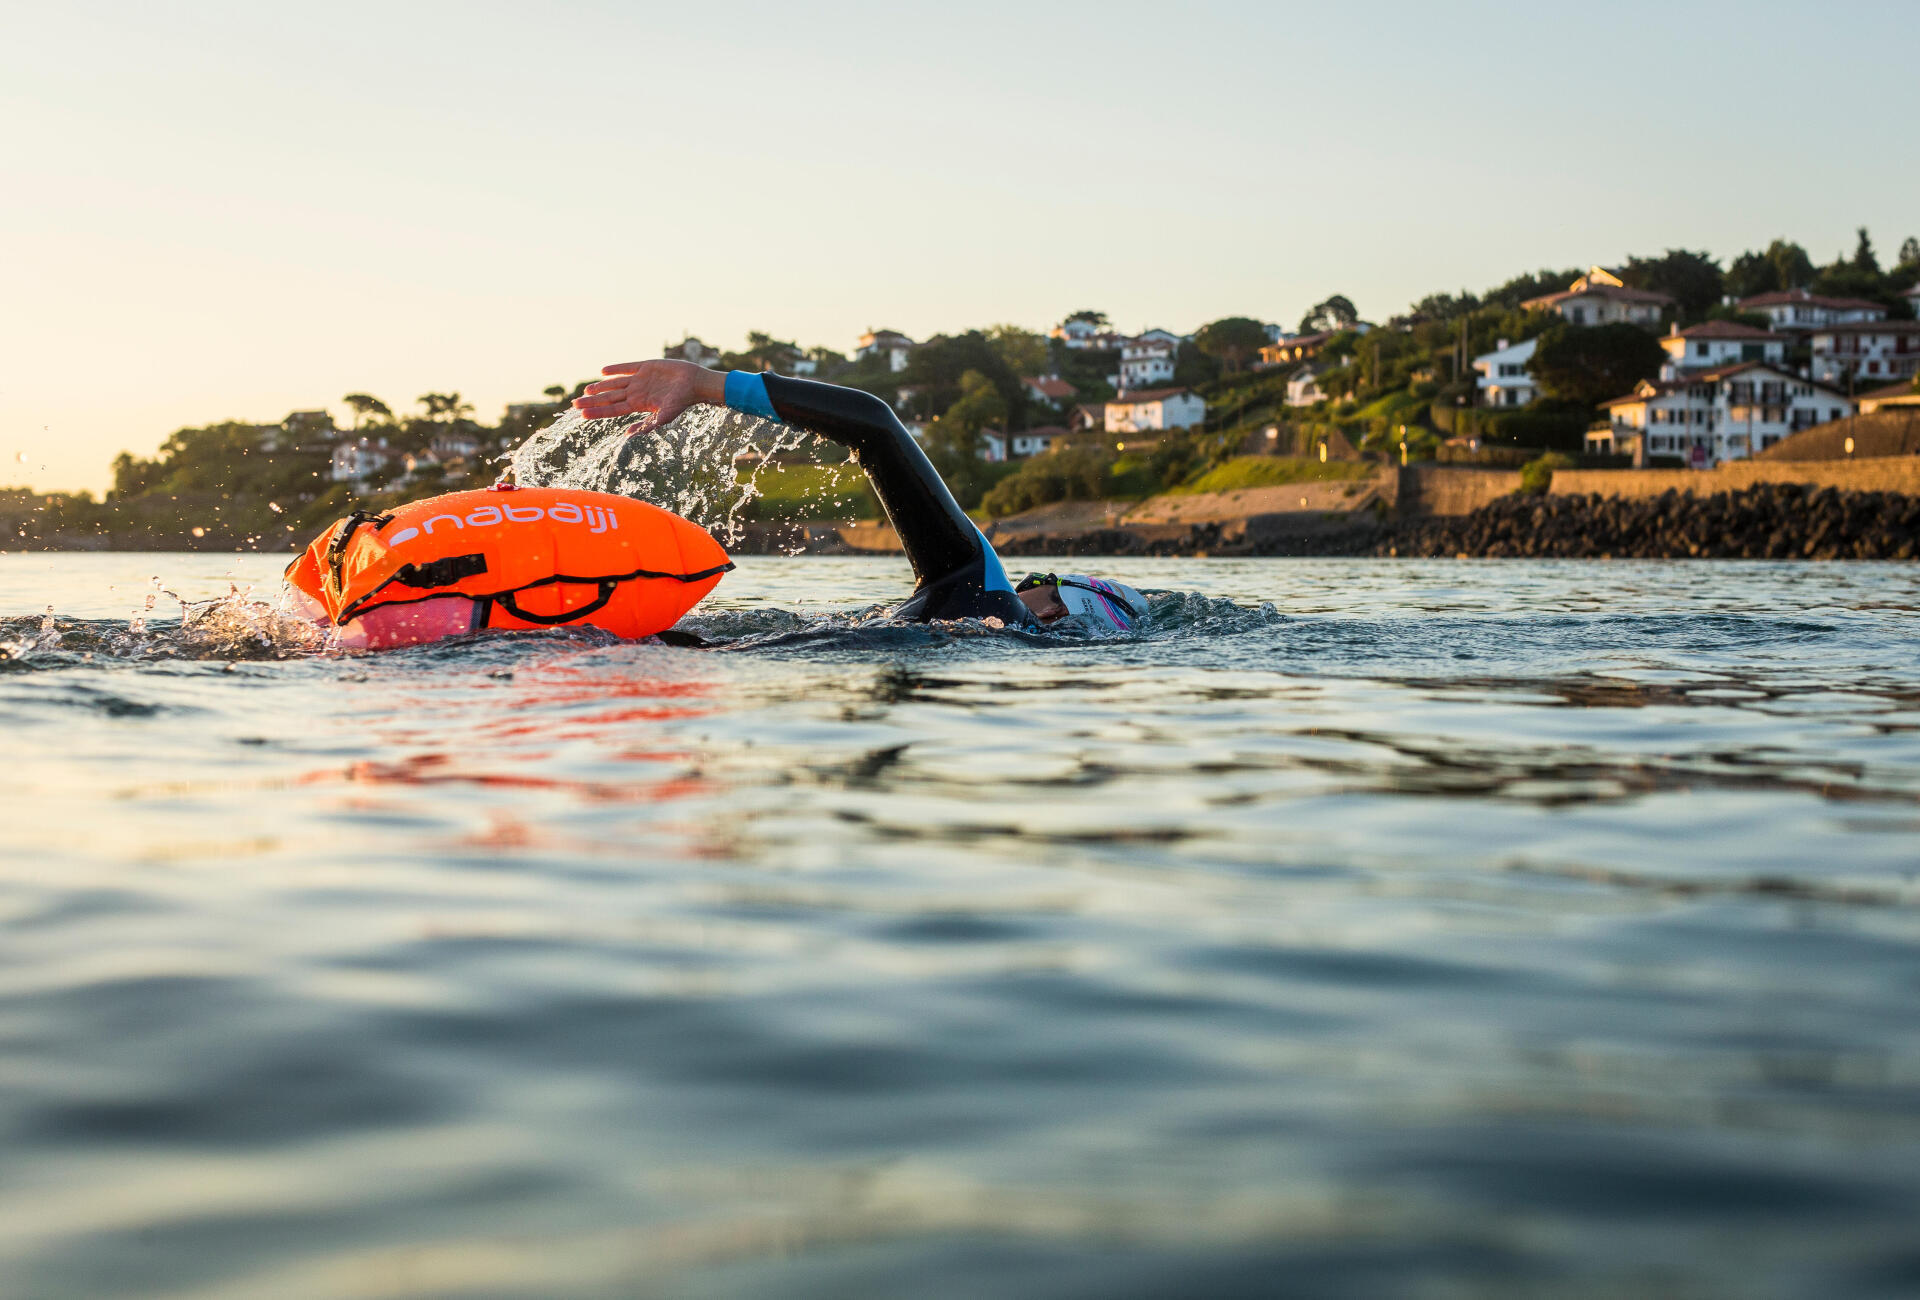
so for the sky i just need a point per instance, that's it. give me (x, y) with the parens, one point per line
(218, 211)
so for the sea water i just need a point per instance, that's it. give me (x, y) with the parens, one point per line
(1382, 928)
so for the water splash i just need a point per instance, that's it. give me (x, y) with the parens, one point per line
(692, 466)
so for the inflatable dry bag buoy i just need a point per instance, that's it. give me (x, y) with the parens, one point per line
(505, 557)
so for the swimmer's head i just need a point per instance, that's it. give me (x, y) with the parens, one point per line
(1092, 602)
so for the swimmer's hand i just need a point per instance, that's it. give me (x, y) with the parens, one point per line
(659, 390)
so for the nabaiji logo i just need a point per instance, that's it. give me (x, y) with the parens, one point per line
(596, 519)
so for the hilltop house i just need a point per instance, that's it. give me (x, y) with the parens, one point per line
(692, 349)
(358, 459)
(1304, 388)
(1875, 351)
(1034, 442)
(891, 344)
(1075, 334)
(1724, 414)
(1719, 343)
(1088, 417)
(1601, 297)
(1300, 347)
(1504, 380)
(1145, 362)
(1083, 335)
(1050, 388)
(1155, 409)
(1797, 309)
(454, 445)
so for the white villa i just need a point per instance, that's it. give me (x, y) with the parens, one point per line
(692, 349)
(1304, 388)
(1719, 343)
(1156, 409)
(891, 344)
(1871, 351)
(359, 458)
(991, 446)
(1503, 380)
(1601, 297)
(1710, 416)
(1797, 309)
(454, 445)
(1145, 362)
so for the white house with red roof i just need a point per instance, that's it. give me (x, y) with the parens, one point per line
(1601, 297)
(1873, 352)
(1727, 413)
(1800, 309)
(1156, 409)
(1716, 343)
(1050, 388)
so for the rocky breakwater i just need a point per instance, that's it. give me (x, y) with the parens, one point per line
(1773, 521)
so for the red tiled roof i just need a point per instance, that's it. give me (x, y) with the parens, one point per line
(1786, 297)
(1600, 291)
(1052, 386)
(1726, 329)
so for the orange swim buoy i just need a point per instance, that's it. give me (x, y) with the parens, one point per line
(506, 557)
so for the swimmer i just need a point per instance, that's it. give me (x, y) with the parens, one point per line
(957, 574)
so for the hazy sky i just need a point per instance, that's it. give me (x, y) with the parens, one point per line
(214, 211)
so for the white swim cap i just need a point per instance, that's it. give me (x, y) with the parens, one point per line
(1112, 606)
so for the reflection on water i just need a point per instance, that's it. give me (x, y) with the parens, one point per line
(1447, 928)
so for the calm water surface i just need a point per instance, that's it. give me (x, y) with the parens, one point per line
(1447, 929)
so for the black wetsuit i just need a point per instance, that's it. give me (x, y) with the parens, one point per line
(958, 574)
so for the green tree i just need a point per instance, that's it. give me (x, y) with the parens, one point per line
(938, 368)
(1192, 367)
(1446, 306)
(1909, 252)
(366, 407)
(1590, 365)
(1336, 313)
(445, 407)
(1097, 319)
(1694, 279)
(1233, 341)
(1536, 285)
(1023, 351)
(1790, 261)
(1863, 258)
(1752, 273)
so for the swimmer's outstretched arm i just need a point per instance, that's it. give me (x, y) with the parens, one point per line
(934, 531)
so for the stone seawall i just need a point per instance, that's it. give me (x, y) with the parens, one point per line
(1878, 474)
(1443, 490)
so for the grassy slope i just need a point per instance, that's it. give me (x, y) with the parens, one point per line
(1273, 471)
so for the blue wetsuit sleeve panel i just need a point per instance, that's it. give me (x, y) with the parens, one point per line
(747, 393)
